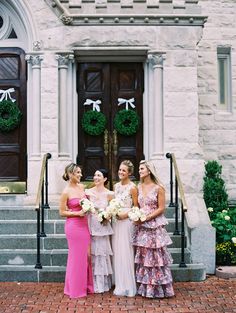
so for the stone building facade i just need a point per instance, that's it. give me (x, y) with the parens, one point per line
(184, 46)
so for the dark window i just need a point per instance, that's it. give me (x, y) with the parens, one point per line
(1, 22)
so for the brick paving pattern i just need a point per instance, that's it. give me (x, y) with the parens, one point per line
(211, 296)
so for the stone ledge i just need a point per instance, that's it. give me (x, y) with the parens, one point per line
(141, 13)
(226, 272)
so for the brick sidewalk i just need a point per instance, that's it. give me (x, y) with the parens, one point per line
(210, 296)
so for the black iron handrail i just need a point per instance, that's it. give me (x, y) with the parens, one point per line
(179, 198)
(41, 204)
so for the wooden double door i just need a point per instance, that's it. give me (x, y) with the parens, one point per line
(13, 154)
(108, 82)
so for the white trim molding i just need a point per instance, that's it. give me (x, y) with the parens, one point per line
(155, 105)
(65, 92)
(34, 98)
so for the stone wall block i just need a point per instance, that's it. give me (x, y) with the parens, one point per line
(50, 133)
(187, 104)
(206, 121)
(183, 58)
(180, 79)
(175, 130)
(207, 102)
(179, 38)
(219, 137)
(207, 73)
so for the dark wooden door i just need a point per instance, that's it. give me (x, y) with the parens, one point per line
(107, 82)
(13, 144)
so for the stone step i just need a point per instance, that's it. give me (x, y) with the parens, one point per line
(193, 272)
(29, 213)
(50, 226)
(50, 242)
(58, 257)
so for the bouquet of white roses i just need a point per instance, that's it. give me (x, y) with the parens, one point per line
(103, 216)
(87, 206)
(136, 214)
(114, 207)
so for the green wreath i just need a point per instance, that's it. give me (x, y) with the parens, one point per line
(94, 122)
(126, 122)
(10, 116)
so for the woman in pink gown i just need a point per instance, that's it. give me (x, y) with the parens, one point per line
(78, 280)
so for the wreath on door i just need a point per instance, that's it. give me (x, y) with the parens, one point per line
(126, 122)
(10, 116)
(94, 123)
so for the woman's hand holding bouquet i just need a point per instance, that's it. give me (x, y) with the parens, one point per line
(137, 215)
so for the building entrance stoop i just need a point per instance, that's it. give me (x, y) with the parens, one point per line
(18, 253)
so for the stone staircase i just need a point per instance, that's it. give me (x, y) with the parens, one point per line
(18, 247)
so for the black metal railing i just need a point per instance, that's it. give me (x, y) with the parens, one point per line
(42, 204)
(177, 195)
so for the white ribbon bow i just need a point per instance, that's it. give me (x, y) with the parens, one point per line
(7, 94)
(127, 103)
(94, 103)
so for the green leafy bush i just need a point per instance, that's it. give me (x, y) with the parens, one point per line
(214, 190)
(222, 217)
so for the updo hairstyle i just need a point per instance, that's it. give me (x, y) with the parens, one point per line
(69, 169)
(129, 165)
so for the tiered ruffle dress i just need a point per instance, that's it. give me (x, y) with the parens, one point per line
(78, 280)
(153, 274)
(101, 251)
(123, 259)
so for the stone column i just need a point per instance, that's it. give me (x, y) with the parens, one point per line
(156, 116)
(65, 99)
(34, 99)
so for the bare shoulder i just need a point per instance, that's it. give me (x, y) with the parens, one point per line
(133, 186)
(64, 194)
(161, 189)
(81, 186)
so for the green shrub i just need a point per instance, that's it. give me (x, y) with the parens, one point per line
(222, 217)
(214, 191)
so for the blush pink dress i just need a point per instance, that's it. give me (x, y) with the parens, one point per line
(153, 274)
(79, 279)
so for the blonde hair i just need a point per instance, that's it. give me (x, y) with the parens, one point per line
(69, 169)
(129, 165)
(153, 173)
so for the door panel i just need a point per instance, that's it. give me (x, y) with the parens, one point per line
(127, 83)
(107, 82)
(13, 144)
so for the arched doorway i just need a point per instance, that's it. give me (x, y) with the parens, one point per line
(13, 82)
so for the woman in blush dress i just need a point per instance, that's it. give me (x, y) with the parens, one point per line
(153, 274)
(78, 280)
(100, 247)
(123, 259)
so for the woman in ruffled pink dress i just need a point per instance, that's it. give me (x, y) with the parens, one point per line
(78, 280)
(153, 274)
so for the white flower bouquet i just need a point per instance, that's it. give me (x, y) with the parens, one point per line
(136, 214)
(87, 206)
(114, 208)
(103, 216)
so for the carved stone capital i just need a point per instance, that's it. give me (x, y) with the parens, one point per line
(156, 59)
(67, 20)
(64, 59)
(37, 45)
(34, 59)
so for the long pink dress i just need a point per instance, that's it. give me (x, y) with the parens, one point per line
(79, 279)
(153, 274)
